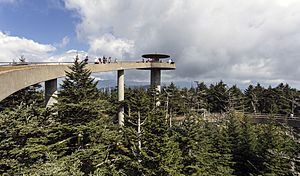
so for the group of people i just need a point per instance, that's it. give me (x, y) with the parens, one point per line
(170, 61)
(104, 60)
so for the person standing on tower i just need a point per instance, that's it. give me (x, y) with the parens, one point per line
(86, 59)
(96, 61)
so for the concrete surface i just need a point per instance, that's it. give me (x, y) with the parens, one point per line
(121, 91)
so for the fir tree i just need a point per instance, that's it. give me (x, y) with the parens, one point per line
(269, 102)
(236, 98)
(258, 91)
(221, 150)
(160, 154)
(218, 97)
(79, 109)
(242, 141)
(201, 94)
(173, 97)
(276, 148)
(251, 101)
(200, 157)
(77, 97)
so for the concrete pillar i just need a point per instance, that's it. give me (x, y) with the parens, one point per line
(121, 96)
(50, 92)
(155, 78)
(155, 82)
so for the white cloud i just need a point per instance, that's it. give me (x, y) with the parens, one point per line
(64, 42)
(12, 47)
(210, 39)
(112, 46)
(68, 56)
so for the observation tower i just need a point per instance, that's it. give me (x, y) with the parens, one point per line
(155, 70)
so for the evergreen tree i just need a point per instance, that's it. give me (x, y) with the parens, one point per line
(218, 97)
(269, 101)
(200, 155)
(160, 154)
(187, 100)
(248, 148)
(259, 98)
(77, 99)
(242, 142)
(221, 150)
(285, 98)
(236, 98)
(234, 133)
(201, 94)
(174, 99)
(251, 102)
(80, 113)
(275, 150)
(137, 103)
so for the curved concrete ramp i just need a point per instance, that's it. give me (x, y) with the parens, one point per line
(14, 78)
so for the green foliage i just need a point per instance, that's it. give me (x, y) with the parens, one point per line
(27, 96)
(22, 137)
(173, 96)
(137, 102)
(242, 144)
(218, 97)
(160, 154)
(251, 102)
(276, 150)
(236, 99)
(53, 166)
(201, 95)
(78, 136)
(203, 149)
(81, 128)
(77, 98)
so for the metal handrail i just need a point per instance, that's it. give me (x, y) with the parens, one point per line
(45, 63)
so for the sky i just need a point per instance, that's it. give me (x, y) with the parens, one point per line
(240, 42)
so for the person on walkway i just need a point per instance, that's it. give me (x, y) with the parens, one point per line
(171, 61)
(86, 59)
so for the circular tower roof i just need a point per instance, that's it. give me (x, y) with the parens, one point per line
(155, 56)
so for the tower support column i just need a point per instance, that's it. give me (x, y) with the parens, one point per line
(121, 96)
(50, 92)
(155, 82)
(156, 79)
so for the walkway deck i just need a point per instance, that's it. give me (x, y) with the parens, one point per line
(14, 78)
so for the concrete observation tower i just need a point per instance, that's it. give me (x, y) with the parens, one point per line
(155, 72)
(156, 65)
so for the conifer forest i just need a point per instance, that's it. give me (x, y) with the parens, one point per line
(204, 130)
